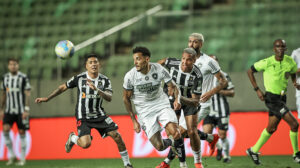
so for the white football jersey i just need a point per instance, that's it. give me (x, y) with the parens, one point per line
(208, 67)
(148, 94)
(296, 57)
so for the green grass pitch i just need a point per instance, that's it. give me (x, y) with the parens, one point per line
(208, 162)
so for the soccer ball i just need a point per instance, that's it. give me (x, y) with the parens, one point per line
(64, 49)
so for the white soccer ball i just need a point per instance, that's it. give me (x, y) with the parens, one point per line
(64, 49)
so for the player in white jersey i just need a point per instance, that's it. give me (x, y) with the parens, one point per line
(142, 86)
(209, 69)
(296, 57)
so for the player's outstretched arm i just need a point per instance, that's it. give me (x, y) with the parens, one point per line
(2, 104)
(171, 85)
(252, 79)
(127, 94)
(55, 93)
(162, 61)
(222, 83)
(105, 94)
(228, 93)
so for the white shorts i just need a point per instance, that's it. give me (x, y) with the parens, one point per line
(182, 122)
(151, 122)
(204, 111)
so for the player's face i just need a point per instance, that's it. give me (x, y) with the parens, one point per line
(187, 62)
(140, 61)
(194, 43)
(92, 65)
(13, 67)
(279, 47)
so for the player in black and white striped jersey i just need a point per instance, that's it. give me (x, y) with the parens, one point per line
(92, 88)
(15, 107)
(219, 116)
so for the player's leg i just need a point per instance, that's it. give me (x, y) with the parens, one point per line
(264, 137)
(209, 123)
(23, 125)
(8, 121)
(116, 136)
(224, 145)
(191, 121)
(298, 105)
(83, 139)
(293, 123)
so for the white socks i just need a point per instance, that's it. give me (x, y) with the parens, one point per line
(225, 146)
(125, 157)
(197, 156)
(8, 143)
(74, 139)
(23, 147)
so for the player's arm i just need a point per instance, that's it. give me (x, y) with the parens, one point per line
(222, 83)
(162, 61)
(294, 80)
(252, 79)
(2, 104)
(27, 101)
(61, 88)
(228, 92)
(172, 86)
(127, 94)
(107, 95)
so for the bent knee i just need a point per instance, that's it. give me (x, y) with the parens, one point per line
(295, 126)
(176, 135)
(159, 147)
(192, 132)
(85, 145)
(271, 130)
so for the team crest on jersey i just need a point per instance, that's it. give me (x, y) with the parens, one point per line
(154, 76)
(147, 78)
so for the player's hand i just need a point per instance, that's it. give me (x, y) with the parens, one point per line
(177, 106)
(260, 95)
(91, 84)
(297, 86)
(25, 115)
(136, 126)
(204, 97)
(41, 99)
(1, 114)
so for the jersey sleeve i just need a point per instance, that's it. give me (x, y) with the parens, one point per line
(197, 87)
(165, 75)
(73, 82)
(107, 86)
(128, 81)
(214, 66)
(260, 65)
(26, 84)
(170, 61)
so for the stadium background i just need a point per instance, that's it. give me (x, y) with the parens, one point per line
(239, 32)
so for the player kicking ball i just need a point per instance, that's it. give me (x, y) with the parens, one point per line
(93, 87)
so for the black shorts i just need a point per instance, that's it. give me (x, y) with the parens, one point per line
(221, 122)
(187, 110)
(11, 118)
(276, 104)
(103, 126)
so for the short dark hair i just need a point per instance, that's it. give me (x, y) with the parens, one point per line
(87, 56)
(13, 59)
(139, 49)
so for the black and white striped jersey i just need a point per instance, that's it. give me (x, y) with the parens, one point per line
(219, 102)
(189, 83)
(14, 86)
(89, 103)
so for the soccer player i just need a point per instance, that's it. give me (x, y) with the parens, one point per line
(219, 116)
(276, 70)
(296, 57)
(14, 107)
(142, 87)
(92, 87)
(188, 78)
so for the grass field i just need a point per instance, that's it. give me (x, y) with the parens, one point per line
(209, 162)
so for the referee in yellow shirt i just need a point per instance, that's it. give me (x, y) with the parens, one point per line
(276, 71)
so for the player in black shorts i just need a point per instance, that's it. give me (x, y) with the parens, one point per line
(92, 88)
(14, 108)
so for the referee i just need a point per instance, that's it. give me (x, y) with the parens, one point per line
(14, 107)
(276, 70)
